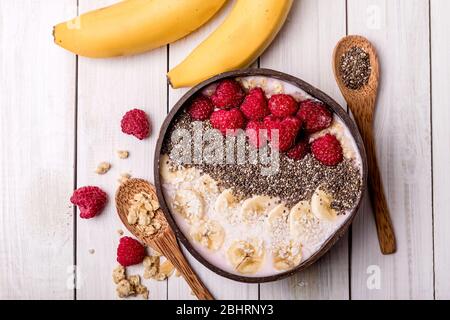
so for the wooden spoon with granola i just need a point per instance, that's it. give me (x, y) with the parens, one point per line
(151, 227)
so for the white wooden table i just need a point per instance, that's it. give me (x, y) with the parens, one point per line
(60, 116)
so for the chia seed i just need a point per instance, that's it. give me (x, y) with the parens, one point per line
(355, 68)
(295, 181)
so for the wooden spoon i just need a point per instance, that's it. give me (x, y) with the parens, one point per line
(362, 104)
(164, 241)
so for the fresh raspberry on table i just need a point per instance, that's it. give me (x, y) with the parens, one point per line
(90, 200)
(130, 252)
(299, 151)
(256, 133)
(254, 106)
(315, 116)
(327, 150)
(283, 105)
(227, 120)
(229, 94)
(287, 129)
(201, 108)
(135, 122)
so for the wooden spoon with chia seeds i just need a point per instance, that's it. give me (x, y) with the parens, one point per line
(164, 240)
(356, 69)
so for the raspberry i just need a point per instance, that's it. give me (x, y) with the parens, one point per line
(288, 129)
(201, 108)
(90, 201)
(135, 122)
(130, 252)
(256, 133)
(254, 106)
(224, 120)
(299, 151)
(228, 94)
(327, 150)
(315, 116)
(282, 105)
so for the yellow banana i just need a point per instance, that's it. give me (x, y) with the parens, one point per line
(240, 40)
(133, 26)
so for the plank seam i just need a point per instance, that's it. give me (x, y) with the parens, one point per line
(75, 170)
(431, 147)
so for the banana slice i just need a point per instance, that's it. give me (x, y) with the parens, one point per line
(287, 256)
(225, 202)
(209, 234)
(277, 217)
(173, 175)
(207, 185)
(299, 216)
(254, 208)
(321, 206)
(189, 204)
(246, 256)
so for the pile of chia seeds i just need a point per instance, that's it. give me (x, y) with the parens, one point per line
(355, 68)
(295, 181)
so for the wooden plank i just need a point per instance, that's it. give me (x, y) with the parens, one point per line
(107, 89)
(440, 42)
(399, 29)
(221, 288)
(304, 49)
(37, 94)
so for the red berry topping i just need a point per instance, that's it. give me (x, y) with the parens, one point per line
(201, 108)
(229, 94)
(283, 105)
(135, 122)
(227, 120)
(254, 106)
(327, 150)
(130, 252)
(299, 151)
(315, 116)
(90, 201)
(256, 133)
(287, 130)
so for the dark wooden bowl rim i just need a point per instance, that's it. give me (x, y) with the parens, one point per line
(311, 91)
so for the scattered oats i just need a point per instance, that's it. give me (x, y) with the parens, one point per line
(120, 232)
(123, 154)
(91, 251)
(124, 177)
(118, 274)
(103, 168)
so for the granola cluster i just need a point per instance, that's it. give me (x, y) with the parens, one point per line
(128, 286)
(142, 213)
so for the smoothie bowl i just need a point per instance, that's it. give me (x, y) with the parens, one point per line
(259, 174)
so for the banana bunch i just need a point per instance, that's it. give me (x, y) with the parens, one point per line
(134, 26)
(246, 257)
(209, 234)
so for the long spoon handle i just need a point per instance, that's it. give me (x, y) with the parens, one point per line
(385, 230)
(169, 247)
